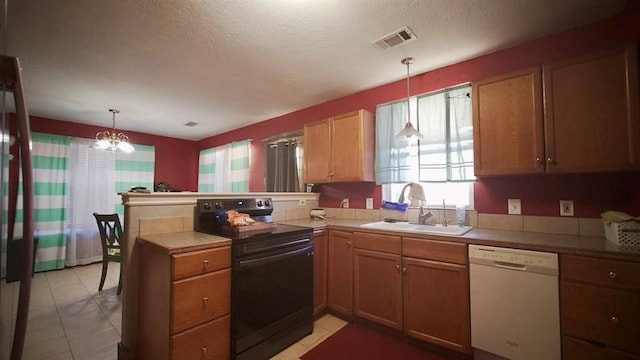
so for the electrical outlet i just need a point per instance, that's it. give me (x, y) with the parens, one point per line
(514, 206)
(345, 203)
(566, 207)
(302, 202)
(369, 202)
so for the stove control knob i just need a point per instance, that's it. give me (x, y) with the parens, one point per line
(259, 203)
(218, 206)
(267, 203)
(206, 206)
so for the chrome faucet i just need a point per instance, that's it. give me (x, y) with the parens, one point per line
(444, 214)
(423, 216)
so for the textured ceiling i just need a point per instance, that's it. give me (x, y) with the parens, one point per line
(229, 63)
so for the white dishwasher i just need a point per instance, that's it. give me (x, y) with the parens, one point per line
(514, 303)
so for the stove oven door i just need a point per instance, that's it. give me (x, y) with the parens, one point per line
(272, 298)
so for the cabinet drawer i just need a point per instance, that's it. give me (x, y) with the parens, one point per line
(200, 262)
(435, 250)
(576, 349)
(376, 242)
(603, 272)
(200, 299)
(207, 341)
(602, 315)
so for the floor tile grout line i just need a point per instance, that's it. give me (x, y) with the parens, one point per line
(64, 330)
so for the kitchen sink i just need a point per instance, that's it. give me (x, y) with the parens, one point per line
(451, 230)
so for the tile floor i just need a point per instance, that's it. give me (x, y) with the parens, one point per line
(70, 319)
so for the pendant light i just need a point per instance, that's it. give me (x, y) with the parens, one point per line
(408, 131)
(111, 140)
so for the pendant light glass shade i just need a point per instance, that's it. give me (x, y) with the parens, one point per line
(111, 140)
(408, 130)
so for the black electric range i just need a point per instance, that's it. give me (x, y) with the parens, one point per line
(272, 278)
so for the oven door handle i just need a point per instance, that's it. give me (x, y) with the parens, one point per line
(269, 259)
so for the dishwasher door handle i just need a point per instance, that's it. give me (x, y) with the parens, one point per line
(512, 266)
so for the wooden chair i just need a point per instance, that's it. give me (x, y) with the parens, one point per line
(110, 235)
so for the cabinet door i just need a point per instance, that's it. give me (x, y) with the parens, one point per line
(320, 248)
(377, 287)
(508, 124)
(340, 290)
(317, 152)
(436, 303)
(591, 112)
(352, 157)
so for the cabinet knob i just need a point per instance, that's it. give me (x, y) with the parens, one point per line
(397, 268)
(539, 160)
(204, 350)
(550, 160)
(612, 274)
(205, 262)
(348, 244)
(615, 320)
(205, 299)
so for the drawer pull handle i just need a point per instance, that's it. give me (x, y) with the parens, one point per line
(205, 262)
(205, 299)
(615, 320)
(612, 274)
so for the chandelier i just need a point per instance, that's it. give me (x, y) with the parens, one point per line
(408, 130)
(111, 140)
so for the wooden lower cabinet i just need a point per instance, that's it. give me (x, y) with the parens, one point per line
(340, 272)
(599, 302)
(185, 303)
(320, 263)
(377, 287)
(436, 293)
(436, 303)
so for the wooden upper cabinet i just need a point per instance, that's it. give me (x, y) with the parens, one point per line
(340, 149)
(591, 112)
(317, 151)
(574, 116)
(507, 124)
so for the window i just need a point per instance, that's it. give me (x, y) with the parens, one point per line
(224, 168)
(443, 161)
(283, 169)
(72, 181)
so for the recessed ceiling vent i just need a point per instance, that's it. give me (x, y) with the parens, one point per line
(396, 38)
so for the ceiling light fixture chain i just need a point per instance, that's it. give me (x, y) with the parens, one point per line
(408, 130)
(112, 140)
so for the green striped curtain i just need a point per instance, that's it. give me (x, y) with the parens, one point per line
(134, 169)
(239, 171)
(49, 160)
(207, 170)
(224, 168)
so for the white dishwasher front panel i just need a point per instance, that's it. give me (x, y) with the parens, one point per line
(514, 303)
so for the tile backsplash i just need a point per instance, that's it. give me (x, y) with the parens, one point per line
(538, 224)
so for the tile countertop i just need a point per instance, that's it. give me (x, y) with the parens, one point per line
(180, 242)
(563, 244)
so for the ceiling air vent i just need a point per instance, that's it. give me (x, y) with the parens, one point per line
(396, 38)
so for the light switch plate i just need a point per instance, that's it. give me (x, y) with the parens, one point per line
(566, 207)
(514, 206)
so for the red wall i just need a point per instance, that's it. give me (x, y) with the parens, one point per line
(176, 159)
(539, 194)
